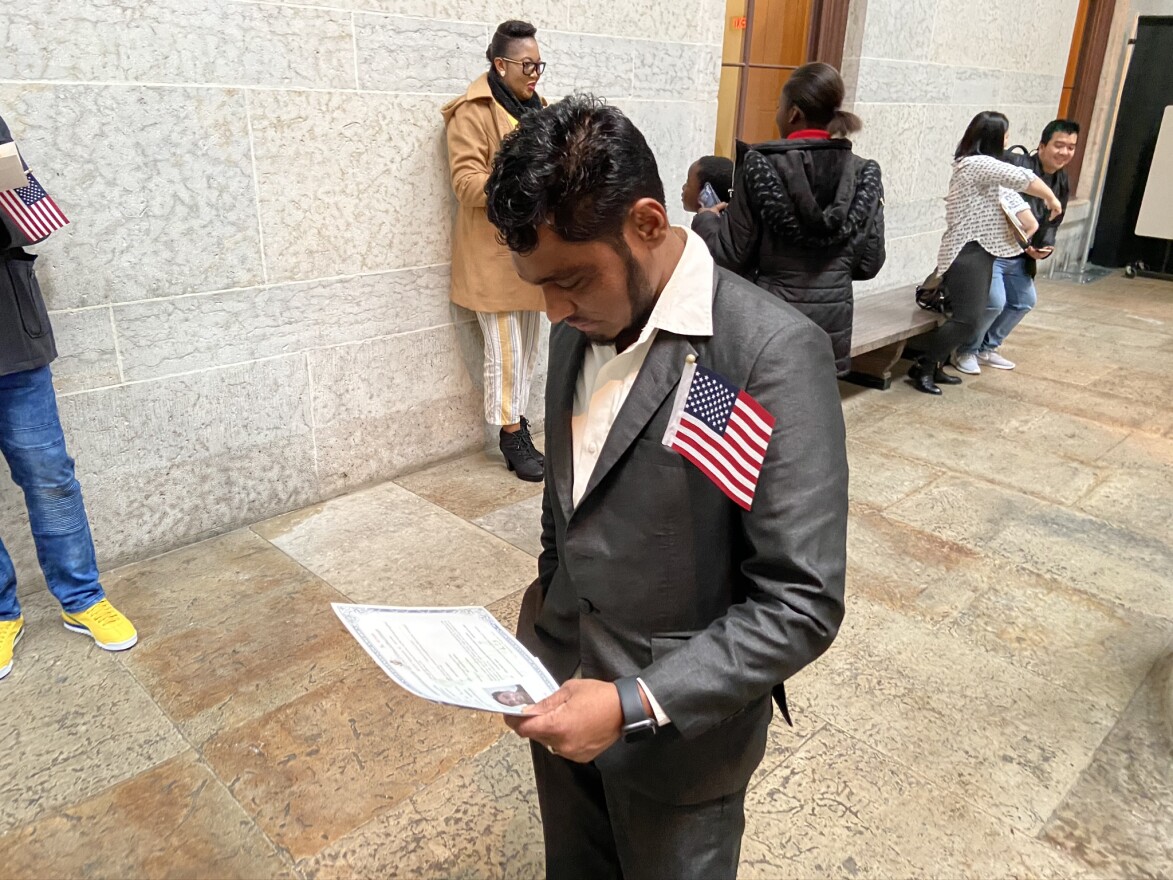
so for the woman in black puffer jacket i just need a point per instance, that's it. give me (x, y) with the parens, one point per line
(807, 215)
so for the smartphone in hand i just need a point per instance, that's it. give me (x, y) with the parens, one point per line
(708, 197)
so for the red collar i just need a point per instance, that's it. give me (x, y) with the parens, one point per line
(810, 134)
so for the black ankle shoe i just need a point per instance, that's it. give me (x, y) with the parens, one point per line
(921, 377)
(520, 457)
(524, 431)
(943, 378)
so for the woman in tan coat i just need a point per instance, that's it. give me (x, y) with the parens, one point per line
(483, 278)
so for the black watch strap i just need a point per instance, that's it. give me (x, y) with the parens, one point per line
(637, 723)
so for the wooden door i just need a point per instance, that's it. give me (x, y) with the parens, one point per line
(765, 40)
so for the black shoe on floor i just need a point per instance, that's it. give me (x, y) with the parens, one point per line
(943, 378)
(520, 457)
(921, 377)
(524, 431)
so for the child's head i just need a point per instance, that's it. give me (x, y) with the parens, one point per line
(713, 170)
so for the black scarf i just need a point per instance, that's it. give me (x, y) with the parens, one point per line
(505, 97)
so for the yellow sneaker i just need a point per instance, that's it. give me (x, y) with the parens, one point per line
(10, 633)
(106, 624)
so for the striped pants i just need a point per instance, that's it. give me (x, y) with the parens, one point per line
(511, 356)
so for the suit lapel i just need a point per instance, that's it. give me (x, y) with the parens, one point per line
(565, 364)
(657, 378)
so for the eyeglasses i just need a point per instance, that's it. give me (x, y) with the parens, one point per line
(528, 68)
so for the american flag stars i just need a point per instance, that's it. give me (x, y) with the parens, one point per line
(722, 430)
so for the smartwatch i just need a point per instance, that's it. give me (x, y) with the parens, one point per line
(637, 724)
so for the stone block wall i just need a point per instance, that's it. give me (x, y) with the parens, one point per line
(251, 300)
(917, 71)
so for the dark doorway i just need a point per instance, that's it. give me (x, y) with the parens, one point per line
(1148, 89)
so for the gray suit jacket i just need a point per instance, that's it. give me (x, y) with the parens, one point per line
(657, 573)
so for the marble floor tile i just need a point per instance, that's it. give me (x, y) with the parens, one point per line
(1090, 646)
(480, 822)
(1011, 741)
(1097, 404)
(865, 406)
(74, 720)
(838, 808)
(1081, 551)
(1141, 452)
(234, 628)
(969, 408)
(1095, 648)
(909, 570)
(881, 476)
(1053, 356)
(1072, 437)
(175, 820)
(1142, 502)
(1141, 384)
(1118, 817)
(991, 455)
(317, 768)
(507, 610)
(520, 524)
(388, 546)
(1140, 313)
(1083, 330)
(1137, 490)
(472, 486)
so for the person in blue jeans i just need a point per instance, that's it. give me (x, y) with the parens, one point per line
(33, 445)
(1012, 295)
(1012, 288)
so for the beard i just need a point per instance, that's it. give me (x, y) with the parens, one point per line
(641, 296)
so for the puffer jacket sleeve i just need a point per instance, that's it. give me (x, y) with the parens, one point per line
(734, 236)
(871, 252)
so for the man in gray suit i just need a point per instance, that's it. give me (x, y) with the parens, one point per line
(671, 600)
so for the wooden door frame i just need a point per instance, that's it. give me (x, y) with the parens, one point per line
(1088, 69)
(828, 31)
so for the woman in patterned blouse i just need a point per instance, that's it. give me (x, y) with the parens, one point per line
(977, 232)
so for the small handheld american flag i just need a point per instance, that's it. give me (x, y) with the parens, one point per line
(722, 430)
(32, 210)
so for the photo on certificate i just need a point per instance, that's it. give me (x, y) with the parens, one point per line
(514, 697)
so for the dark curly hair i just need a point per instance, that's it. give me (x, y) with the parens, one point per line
(577, 166)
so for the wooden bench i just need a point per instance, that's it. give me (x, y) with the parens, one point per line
(882, 324)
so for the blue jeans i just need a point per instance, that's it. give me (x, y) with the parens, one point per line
(1012, 295)
(33, 445)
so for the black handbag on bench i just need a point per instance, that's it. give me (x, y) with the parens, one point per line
(932, 295)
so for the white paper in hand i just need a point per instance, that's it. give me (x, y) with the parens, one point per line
(456, 656)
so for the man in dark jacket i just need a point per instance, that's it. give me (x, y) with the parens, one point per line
(677, 588)
(33, 444)
(1012, 289)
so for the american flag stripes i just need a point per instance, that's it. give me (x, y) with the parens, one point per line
(32, 210)
(721, 430)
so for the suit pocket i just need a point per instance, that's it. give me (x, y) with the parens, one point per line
(646, 450)
(664, 644)
(29, 303)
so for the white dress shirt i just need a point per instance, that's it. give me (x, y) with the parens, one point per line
(685, 307)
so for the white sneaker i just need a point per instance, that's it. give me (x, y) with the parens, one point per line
(995, 360)
(966, 363)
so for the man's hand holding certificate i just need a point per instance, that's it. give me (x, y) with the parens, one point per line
(457, 656)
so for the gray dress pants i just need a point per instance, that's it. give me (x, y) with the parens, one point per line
(595, 828)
